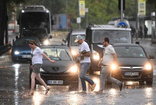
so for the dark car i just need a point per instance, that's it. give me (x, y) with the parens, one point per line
(133, 64)
(64, 71)
(94, 36)
(21, 50)
(69, 41)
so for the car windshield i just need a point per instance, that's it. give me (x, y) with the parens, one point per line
(73, 37)
(25, 42)
(57, 54)
(131, 52)
(113, 35)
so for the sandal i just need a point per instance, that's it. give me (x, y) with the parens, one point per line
(47, 90)
(31, 93)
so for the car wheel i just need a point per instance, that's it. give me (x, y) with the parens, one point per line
(149, 82)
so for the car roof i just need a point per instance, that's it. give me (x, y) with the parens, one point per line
(108, 27)
(126, 44)
(54, 46)
(76, 32)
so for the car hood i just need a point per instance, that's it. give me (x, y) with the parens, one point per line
(132, 61)
(75, 48)
(22, 48)
(57, 67)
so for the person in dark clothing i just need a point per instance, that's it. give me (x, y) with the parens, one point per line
(145, 31)
(133, 31)
(140, 32)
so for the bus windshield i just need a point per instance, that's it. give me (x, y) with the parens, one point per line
(36, 20)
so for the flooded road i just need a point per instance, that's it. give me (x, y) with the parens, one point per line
(14, 88)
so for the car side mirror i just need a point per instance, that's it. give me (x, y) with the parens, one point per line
(137, 42)
(64, 40)
(151, 57)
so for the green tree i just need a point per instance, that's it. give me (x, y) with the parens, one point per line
(55, 6)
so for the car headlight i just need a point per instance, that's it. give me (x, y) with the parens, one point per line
(96, 55)
(46, 42)
(114, 66)
(73, 69)
(74, 52)
(147, 66)
(16, 52)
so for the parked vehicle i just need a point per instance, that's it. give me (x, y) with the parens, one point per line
(21, 50)
(133, 64)
(64, 71)
(69, 41)
(11, 32)
(94, 36)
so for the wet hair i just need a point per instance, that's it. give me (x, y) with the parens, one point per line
(106, 39)
(33, 42)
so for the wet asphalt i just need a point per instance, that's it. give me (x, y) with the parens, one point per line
(14, 88)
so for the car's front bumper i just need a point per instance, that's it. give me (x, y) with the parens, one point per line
(59, 78)
(21, 58)
(142, 75)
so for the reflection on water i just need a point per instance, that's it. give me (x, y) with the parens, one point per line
(74, 99)
(113, 92)
(129, 83)
(148, 92)
(97, 81)
(16, 96)
(37, 98)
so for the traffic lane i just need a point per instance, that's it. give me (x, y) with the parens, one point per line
(15, 87)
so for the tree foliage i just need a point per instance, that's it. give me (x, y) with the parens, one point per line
(100, 11)
(55, 6)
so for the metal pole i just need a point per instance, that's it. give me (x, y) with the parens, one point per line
(87, 17)
(136, 3)
(78, 13)
(121, 10)
(66, 6)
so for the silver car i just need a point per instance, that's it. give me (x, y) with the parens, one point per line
(69, 41)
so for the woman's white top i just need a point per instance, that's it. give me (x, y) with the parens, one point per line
(37, 56)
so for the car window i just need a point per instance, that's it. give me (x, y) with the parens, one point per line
(113, 35)
(21, 42)
(133, 52)
(57, 54)
(73, 37)
(24, 42)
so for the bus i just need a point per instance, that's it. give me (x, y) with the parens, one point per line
(35, 20)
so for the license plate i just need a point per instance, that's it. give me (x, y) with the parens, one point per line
(26, 56)
(131, 73)
(55, 82)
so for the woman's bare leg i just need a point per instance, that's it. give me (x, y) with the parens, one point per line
(33, 76)
(38, 77)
